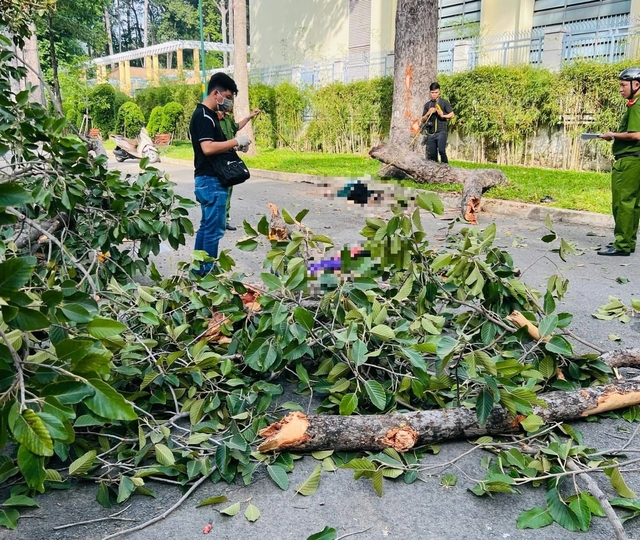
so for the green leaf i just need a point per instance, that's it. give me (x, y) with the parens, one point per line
(108, 403)
(304, 318)
(279, 475)
(359, 465)
(271, 281)
(9, 517)
(618, 483)
(29, 320)
(348, 404)
(20, 500)
(548, 325)
(581, 509)
(68, 392)
(430, 202)
(32, 468)
(383, 332)
(484, 405)
(449, 480)
(103, 496)
(533, 422)
(76, 313)
(105, 328)
(29, 429)
(536, 518)
(377, 480)
(325, 534)
(310, 485)
(594, 505)
(559, 345)
(82, 465)
(164, 455)
(252, 513)
(125, 489)
(216, 499)
(231, 510)
(13, 194)
(15, 273)
(376, 394)
(560, 512)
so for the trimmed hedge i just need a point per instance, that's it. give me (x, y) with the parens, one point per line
(129, 120)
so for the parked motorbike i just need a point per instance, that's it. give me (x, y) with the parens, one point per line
(139, 148)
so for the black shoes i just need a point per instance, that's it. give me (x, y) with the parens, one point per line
(231, 227)
(610, 245)
(612, 252)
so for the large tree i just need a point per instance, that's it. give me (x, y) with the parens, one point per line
(240, 70)
(416, 60)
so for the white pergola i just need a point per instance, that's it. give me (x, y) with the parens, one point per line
(152, 64)
(161, 48)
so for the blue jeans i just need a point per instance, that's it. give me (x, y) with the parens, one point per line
(213, 200)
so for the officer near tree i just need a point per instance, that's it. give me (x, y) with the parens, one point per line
(435, 118)
(625, 175)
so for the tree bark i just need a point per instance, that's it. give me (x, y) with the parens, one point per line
(474, 181)
(415, 67)
(54, 63)
(403, 431)
(240, 71)
(29, 55)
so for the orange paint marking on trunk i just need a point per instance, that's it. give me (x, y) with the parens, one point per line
(408, 88)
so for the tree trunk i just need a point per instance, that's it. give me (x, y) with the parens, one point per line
(145, 25)
(222, 7)
(403, 431)
(240, 71)
(54, 63)
(29, 56)
(415, 68)
(474, 181)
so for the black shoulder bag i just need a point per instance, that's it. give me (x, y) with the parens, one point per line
(229, 169)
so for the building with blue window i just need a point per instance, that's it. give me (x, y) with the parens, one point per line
(316, 40)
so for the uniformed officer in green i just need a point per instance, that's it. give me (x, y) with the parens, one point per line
(230, 127)
(625, 176)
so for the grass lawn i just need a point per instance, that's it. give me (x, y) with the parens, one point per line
(575, 190)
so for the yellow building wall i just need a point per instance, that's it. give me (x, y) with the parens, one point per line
(634, 12)
(291, 31)
(383, 18)
(501, 16)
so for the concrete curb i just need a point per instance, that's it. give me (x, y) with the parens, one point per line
(534, 212)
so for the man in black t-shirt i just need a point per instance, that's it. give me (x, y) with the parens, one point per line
(207, 140)
(435, 116)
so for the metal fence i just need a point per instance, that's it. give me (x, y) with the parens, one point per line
(606, 40)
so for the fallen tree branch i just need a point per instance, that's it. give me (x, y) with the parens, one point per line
(474, 181)
(404, 431)
(595, 490)
(111, 517)
(161, 516)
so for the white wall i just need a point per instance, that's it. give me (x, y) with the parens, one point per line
(290, 31)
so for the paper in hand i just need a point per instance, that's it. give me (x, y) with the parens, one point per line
(589, 136)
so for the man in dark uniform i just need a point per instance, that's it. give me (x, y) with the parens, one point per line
(435, 116)
(625, 175)
(207, 139)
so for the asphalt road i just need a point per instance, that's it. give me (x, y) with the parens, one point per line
(423, 510)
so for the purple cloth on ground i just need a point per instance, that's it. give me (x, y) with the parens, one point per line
(327, 264)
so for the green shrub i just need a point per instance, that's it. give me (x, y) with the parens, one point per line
(188, 95)
(172, 113)
(350, 117)
(130, 120)
(291, 103)
(263, 97)
(102, 108)
(155, 121)
(150, 97)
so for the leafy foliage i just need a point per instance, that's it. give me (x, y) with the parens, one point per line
(120, 381)
(155, 121)
(172, 114)
(129, 120)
